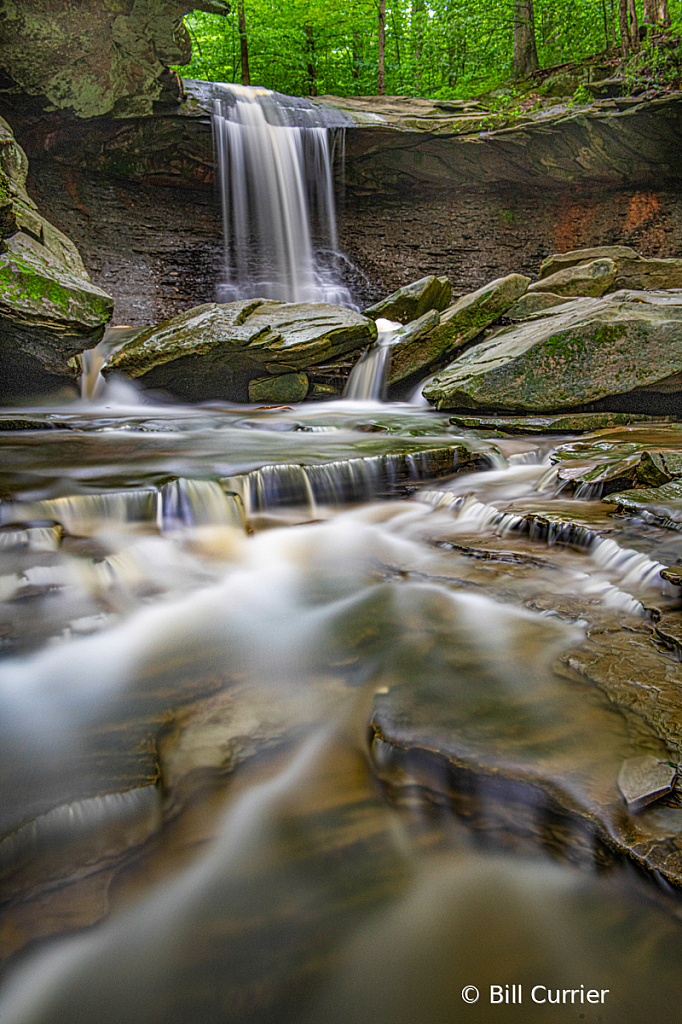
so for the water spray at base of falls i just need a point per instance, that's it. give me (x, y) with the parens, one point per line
(276, 189)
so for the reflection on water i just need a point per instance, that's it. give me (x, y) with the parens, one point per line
(289, 737)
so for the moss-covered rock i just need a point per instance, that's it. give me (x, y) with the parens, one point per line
(585, 350)
(48, 314)
(661, 505)
(532, 303)
(564, 423)
(412, 301)
(97, 56)
(215, 351)
(632, 270)
(286, 387)
(592, 279)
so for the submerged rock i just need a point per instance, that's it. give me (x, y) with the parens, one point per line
(218, 351)
(592, 279)
(567, 423)
(286, 387)
(413, 300)
(585, 350)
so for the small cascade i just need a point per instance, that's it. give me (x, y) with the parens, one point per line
(186, 503)
(181, 503)
(367, 381)
(336, 483)
(276, 189)
(93, 360)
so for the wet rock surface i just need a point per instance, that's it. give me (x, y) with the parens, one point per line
(413, 300)
(215, 351)
(574, 354)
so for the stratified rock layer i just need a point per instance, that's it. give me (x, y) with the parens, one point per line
(583, 351)
(215, 351)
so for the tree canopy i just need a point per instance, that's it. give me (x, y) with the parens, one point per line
(438, 48)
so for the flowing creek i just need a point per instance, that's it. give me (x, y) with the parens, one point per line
(316, 713)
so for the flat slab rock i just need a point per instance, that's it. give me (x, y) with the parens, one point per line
(567, 423)
(215, 351)
(631, 269)
(643, 780)
(579, 352)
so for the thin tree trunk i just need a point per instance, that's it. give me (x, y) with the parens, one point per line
(356, 56)
(629, 27)
(381, 44)
(418, 29)
(243, 45)
(396, 36)
(525, 49)
(310, 63)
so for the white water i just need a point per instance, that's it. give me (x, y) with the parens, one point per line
(367, 381)
(277, 199)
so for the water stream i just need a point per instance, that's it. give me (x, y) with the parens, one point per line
(315, 714)
(290, 730)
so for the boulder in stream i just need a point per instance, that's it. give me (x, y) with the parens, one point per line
(413, 300)
(458, 325)
(593, 279)
(221, 351)
(632, 270)
(578, 353)
(48, 314)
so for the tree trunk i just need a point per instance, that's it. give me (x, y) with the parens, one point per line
(381, 44)
(629, 26)
(243, 45)
(656, 13)
(310, 63)
(525, 49)
(418, 30)
(356, 56)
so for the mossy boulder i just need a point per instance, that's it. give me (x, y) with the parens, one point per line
(413, 300)
(217, 351)
(632, 270)
(48, 314)
(286, 387)
(660, 505)
(592, 279)
(583, 351)
(532, 303)
(410, 352)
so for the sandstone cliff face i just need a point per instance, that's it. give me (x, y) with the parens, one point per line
(95, 57)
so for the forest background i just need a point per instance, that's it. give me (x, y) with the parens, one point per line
(444, 49)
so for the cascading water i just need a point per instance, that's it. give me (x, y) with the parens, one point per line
(279, 218)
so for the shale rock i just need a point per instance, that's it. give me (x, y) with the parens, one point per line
(563, 261)
(632, 270)
(459, 324)
(660, 505)
(96, 56)
(409, 350)
(534, 302)
(592, 279)
(585, 350)
(216, 351)
(48, 314)
(413, 300)
(568, 423)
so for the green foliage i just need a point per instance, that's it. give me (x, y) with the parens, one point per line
(582, 95)
(445, 49)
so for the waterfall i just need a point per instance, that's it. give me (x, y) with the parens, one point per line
(276, 189)
(369, 376)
